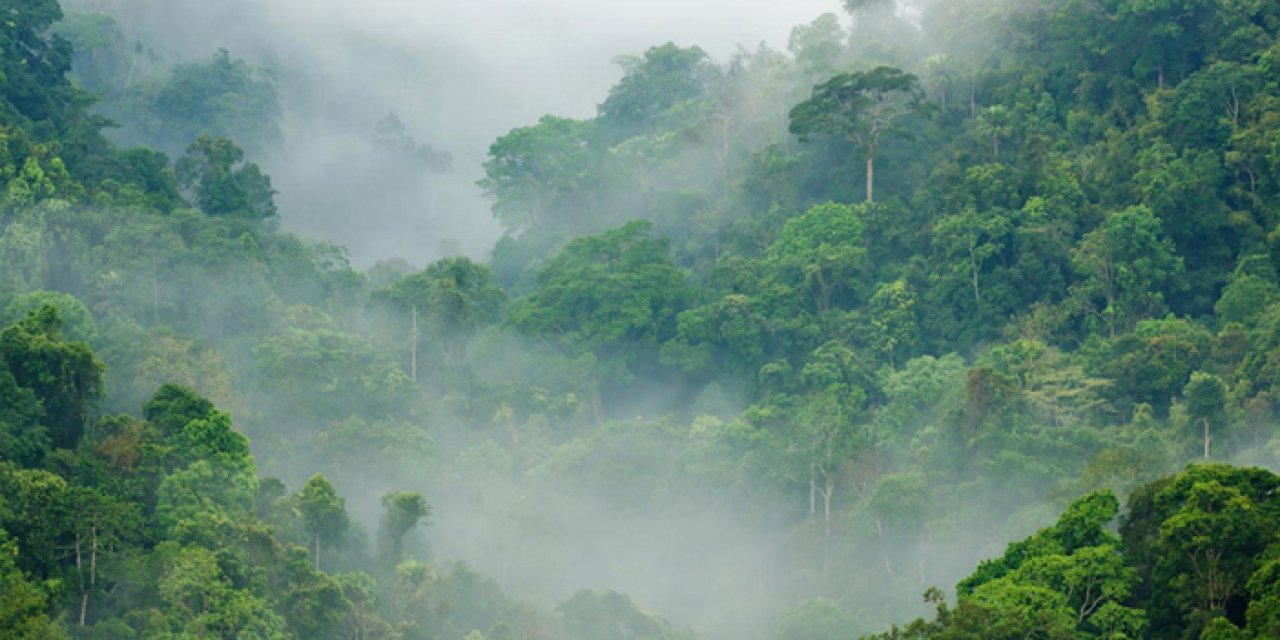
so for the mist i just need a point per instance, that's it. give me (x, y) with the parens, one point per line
(457, 73)
(603, 320)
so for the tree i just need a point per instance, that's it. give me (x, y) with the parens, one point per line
(1206, 398)
(614, 296)
(203, 600)
(404, 510)
(64, 376)
(652, 84)
(23, 602)
(539, 176)
(818, 46)
(822, 254)
(214, 174)
(22, 438)
(893, 324)
(455, 297)
(1195, 539)
(827, 435)
(1162, 37)
(860, 108)
(390, 135)
(323, 514)
(220, 98)
(1065, 579)
(1153, 363)
(612, 616)
(101, 526)
(34, 65)
(969, 241)
(817, 619)
(1128, 265)
(327, 374)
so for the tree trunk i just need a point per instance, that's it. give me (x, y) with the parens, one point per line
(884, 553)
(1207, 438)
(977, 289)
(84, 593)
(871, 178)
(317, 556)
(826, 505)
(824, 291)
(93, 571)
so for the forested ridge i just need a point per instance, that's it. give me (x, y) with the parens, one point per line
(974, 299)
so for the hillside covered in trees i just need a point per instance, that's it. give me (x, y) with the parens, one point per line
(974, 299)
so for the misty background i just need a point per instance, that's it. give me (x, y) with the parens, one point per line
(668, 345)
(457, 73)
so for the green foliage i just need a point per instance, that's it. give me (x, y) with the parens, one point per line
(612, 616)
(662, 78)
(818, 619)
(858, 108)
(1128, 267)
(404, 510)
(220, 98)
(323, 514)
(23, 604)
(614, 295)
(214, 174)
(1071, 285)
(535, 172)
(63, 376)
(1200, 536)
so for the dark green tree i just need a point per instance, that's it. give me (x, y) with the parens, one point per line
(63, 376)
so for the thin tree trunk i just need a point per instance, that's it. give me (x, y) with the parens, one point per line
(317, 558)
(826, 505)
(84, 593)
(977, 290)
(1207, 438)
(813, 494)
(871, 178)
(93, 570)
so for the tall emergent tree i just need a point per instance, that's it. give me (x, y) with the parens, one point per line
(861, 108)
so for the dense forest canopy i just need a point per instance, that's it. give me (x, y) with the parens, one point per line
(976, 299)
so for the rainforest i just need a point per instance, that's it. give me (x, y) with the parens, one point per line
(921, 319)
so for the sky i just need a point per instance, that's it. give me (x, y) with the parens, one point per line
(458, 73)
